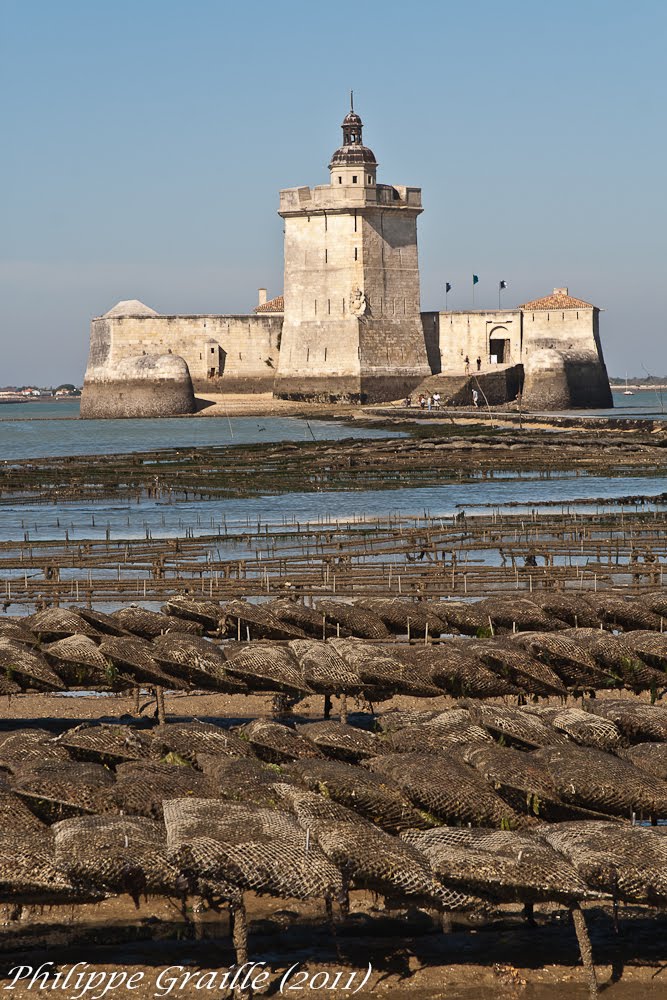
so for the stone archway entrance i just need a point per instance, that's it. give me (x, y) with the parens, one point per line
(499, 346)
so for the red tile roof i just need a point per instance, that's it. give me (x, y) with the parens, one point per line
(276, 305)
(559, 299)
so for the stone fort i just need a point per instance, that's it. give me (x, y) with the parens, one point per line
(349, 324)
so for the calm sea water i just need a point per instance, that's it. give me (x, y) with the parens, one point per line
(166, 519)
(38, 430)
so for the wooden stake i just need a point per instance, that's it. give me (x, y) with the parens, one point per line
(585, 949)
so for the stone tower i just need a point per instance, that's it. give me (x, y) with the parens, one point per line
(352, 328)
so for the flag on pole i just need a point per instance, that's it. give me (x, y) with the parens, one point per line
(503, 284)
(448, 287)
(475, 279)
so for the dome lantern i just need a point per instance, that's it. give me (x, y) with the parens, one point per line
(353, 163)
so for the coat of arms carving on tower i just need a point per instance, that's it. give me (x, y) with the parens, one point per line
(358, 302)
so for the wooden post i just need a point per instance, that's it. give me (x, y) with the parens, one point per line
(585, 948)
(159, 697)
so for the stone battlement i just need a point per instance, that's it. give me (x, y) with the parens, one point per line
(333, 198)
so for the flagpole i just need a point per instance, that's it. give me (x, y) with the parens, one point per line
(473, 291)
(499, 290)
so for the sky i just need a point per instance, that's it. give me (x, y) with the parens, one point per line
(144, 143)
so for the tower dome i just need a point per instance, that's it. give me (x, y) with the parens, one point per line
(353, 153)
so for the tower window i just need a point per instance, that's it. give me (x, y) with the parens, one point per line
(326, 256)
(354, 178)
(356, 253)
(329, 306)
(340, 179)
(370, 179)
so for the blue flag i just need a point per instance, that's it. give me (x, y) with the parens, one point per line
(503, 284)
(475, 279)
(448, 287)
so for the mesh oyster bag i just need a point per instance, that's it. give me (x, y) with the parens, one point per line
(519, 667)
(105, 744)
(312, 622)
(197, 661)
(353, 620)
(628, 861)
(149, 624)
(275, 743)
(598, 780)
(517, 613)
(189, 739)
(142, 786)
(585, 729)
(566, 655)
(371, 859)
(256, 621)
(455, 669)
(638, 721)
(341, 741)
(514, 724)
(133, 656)
(268, 668)
(401, 616)
(323, 669)
(505, 866)
(50, 624)
(446, 788)
(383, 671)
(260, 849)
(57, 789)
(27, 667)
(205, 613)
(116, 854)
(368, 794)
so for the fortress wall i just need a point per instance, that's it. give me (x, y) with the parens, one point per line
(391, 266)
(150, 385)
(563, 361)
(323, 350)
(240, 350)
(469, 333)
(562, 330)
(321, 267)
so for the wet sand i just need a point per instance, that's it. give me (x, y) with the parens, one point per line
(409, 954)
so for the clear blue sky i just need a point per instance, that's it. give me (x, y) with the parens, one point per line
(144, 143)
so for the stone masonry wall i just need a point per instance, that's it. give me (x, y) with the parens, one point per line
(563, 361)
(470, 333)
(238, 350)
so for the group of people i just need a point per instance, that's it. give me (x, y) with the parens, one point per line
(431, 402)
(466, 362)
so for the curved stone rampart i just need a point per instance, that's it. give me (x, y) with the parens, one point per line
(150, 385)
(556, 380)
